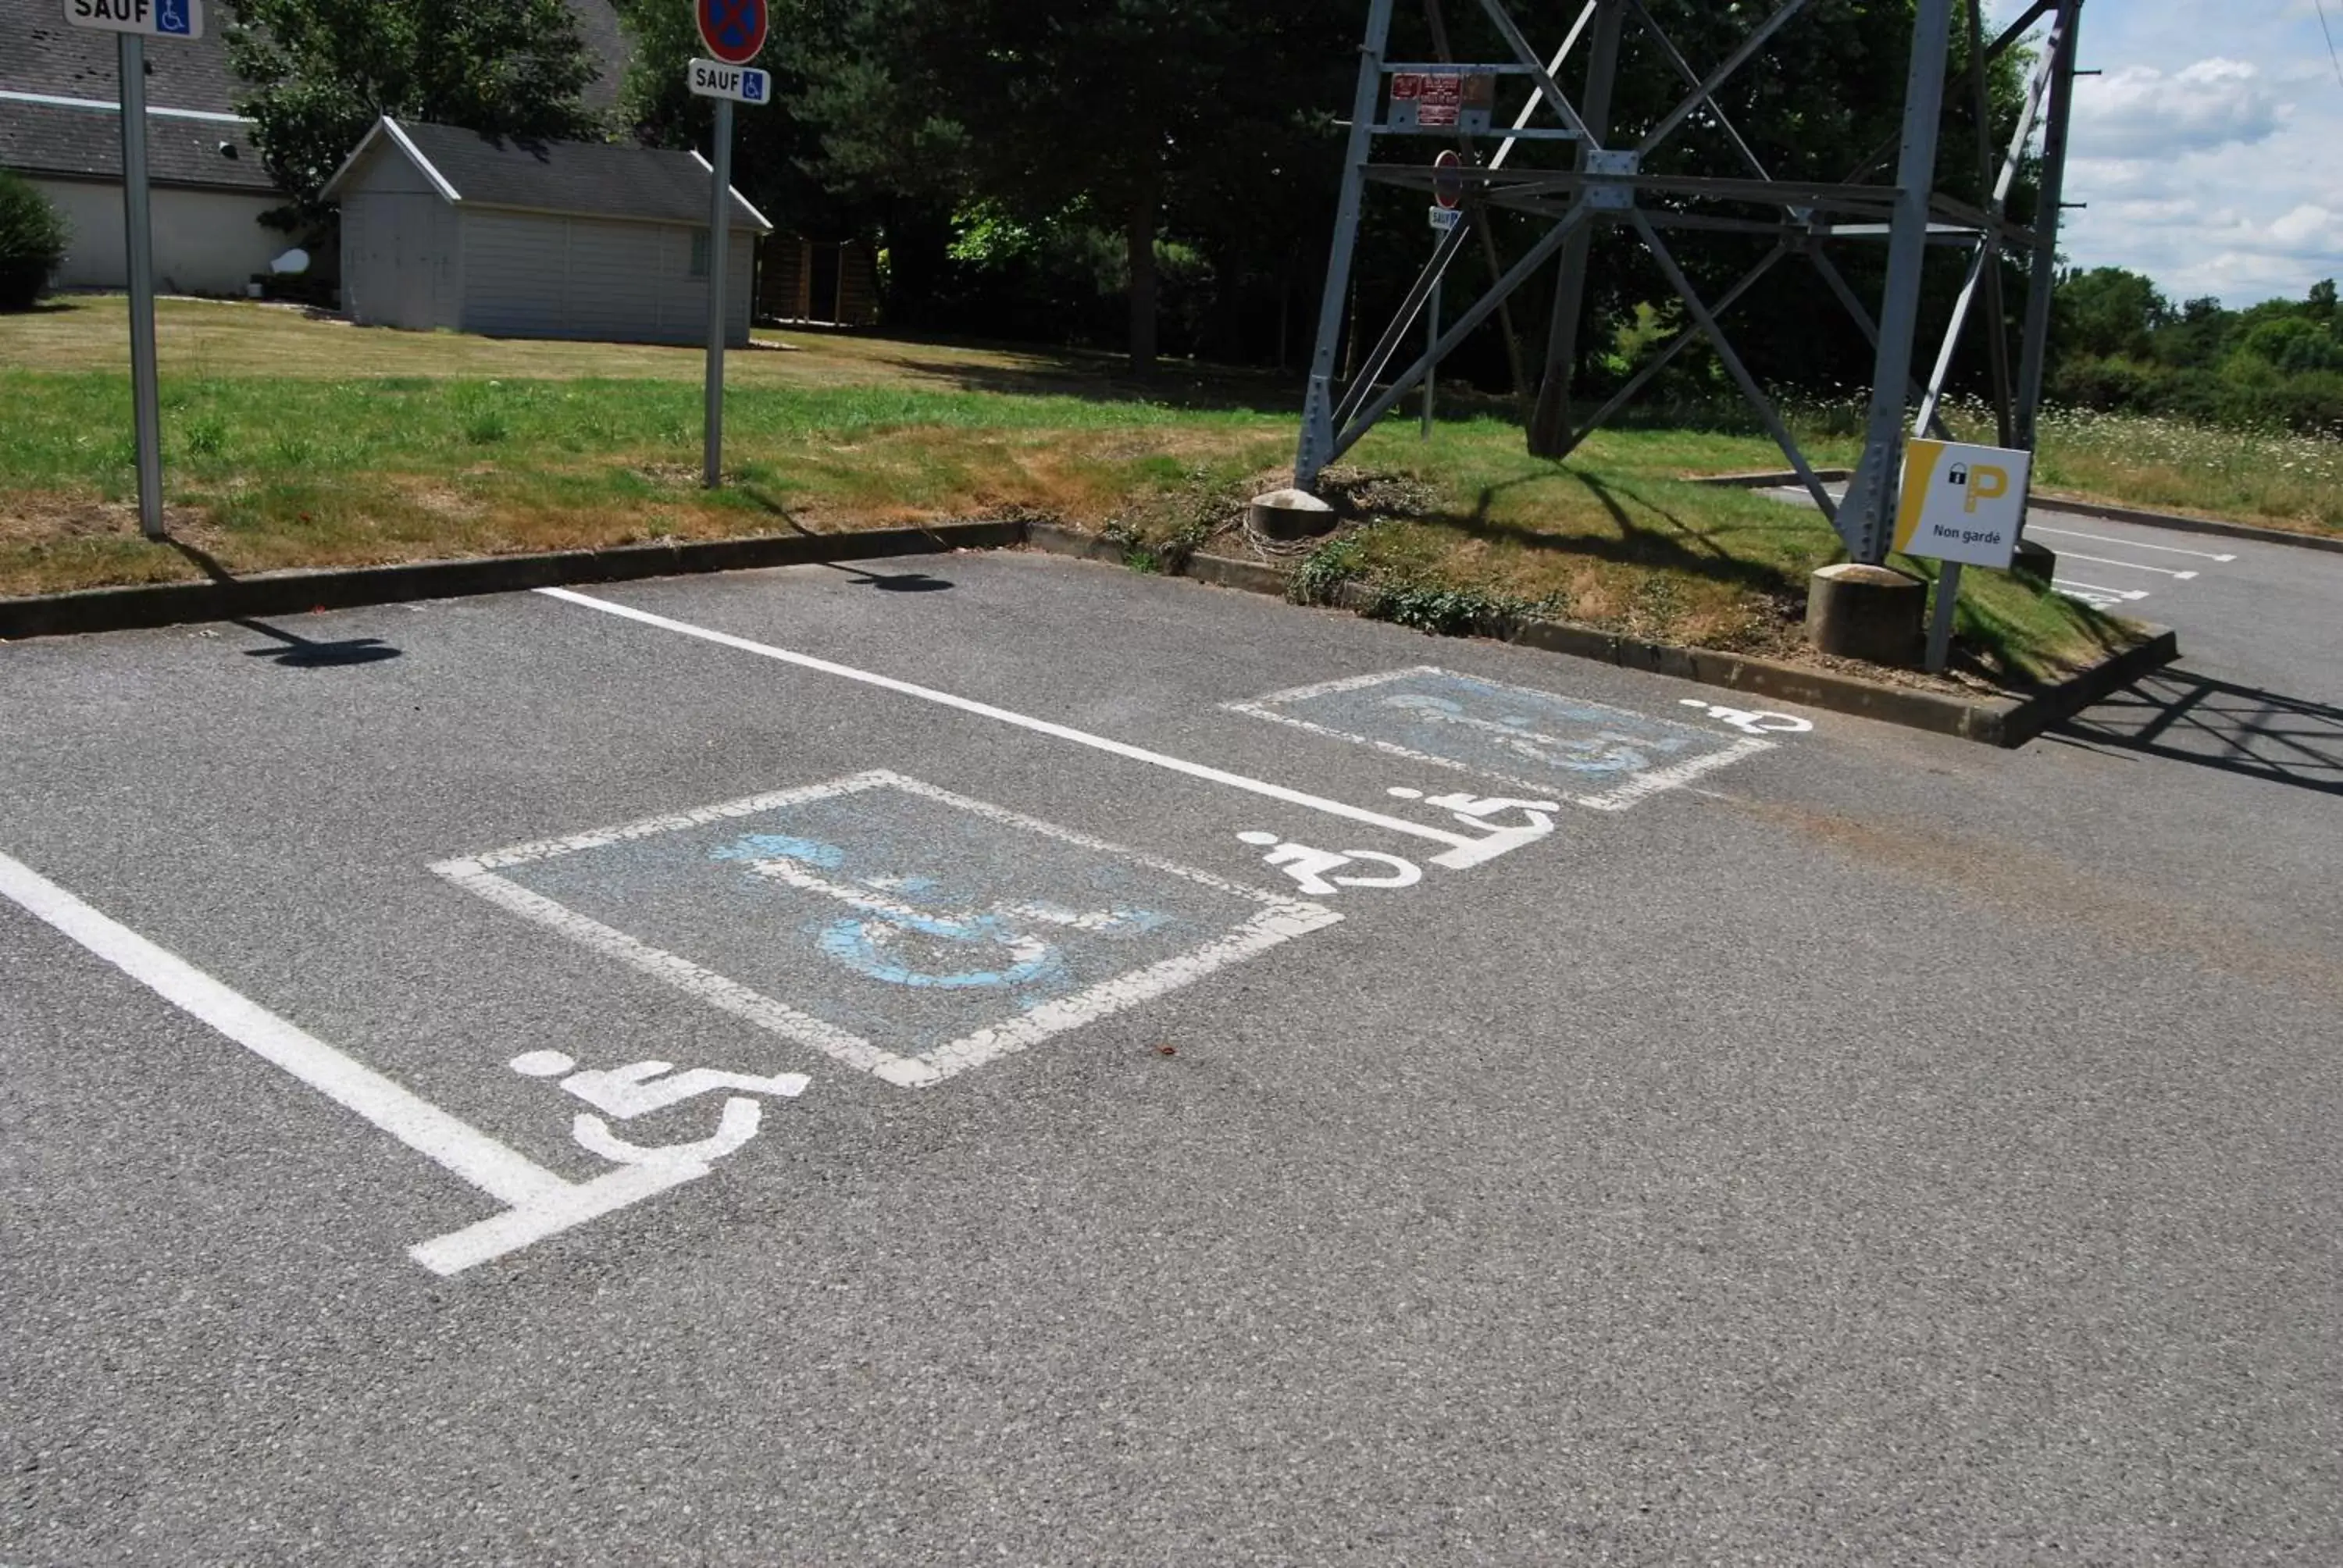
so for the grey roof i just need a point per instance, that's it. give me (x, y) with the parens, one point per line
(86, 142)
(40, 51)
(593, 179)
(607, 43)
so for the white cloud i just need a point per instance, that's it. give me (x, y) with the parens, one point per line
(2311, 227)
(2139, 112)
(2215, 174)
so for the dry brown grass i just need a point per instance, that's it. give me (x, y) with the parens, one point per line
(211, 337)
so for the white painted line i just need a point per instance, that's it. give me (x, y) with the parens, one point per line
(2094, 588)
(456, 1146)
(705, 985)
(1619, 799)
(1025, 721)
(1329, 688)
(1663, 779)
(1279, 919)
(2128, 544)
(541, 1202)
(2128, 566)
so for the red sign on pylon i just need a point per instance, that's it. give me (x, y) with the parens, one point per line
(1447, 180)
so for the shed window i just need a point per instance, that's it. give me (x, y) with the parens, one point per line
(699, 254)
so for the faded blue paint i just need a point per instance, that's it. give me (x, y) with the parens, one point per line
(853, 943)
(781, 847)
(971, 921)
(1536, 738)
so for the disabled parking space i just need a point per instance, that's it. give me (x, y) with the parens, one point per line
(580, 899)
(859, 1060)
(918, 933)
(1598, 756)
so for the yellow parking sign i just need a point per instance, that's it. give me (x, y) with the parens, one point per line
(1962, 503)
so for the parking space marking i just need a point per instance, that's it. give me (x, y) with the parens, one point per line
(2128, 566)
(1469, 725)
(961, 930)
(2093, 593)
(1455, 841)
(2128, 544)
(540, 1203)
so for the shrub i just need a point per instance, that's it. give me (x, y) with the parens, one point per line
(32, 242)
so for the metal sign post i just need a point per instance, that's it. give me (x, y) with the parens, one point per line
(1447, 190)
(134, 21)
(146, 398)
(711, 458)
(734, 31)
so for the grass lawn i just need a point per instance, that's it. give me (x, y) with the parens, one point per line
(290, 441)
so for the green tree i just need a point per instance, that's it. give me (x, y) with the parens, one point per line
(2292, 345)
(2109, 312)
(32, 242)
(1126, 114)
(320, 73)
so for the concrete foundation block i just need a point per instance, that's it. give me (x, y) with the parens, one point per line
(1857, 611)
(1289, 515)
(2037, 564)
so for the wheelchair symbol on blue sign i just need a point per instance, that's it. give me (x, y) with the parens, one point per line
(752, 86)
(171, 16)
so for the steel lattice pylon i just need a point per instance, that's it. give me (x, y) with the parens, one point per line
(1608, 185)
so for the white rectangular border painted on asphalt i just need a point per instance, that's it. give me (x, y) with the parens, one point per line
(1641, 786)
(1279, 919)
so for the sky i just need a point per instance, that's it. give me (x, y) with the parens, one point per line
(2211, 150)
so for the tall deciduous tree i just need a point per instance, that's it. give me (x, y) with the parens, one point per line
(1130, 108)
(320, 72)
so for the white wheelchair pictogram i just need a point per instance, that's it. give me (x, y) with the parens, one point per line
(640, 1088)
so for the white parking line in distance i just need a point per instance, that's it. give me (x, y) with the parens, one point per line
(2128, 566)
(2128, 544)
(2064, 583)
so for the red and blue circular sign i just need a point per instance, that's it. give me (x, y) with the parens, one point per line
(733, 30)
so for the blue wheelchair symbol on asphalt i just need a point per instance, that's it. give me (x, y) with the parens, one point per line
(905, 930)
(900, 933)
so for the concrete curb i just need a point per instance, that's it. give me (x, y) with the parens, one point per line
(1770, 479)
(2051, 500)
(2002, 722)
(291, 593)
(2184, 525)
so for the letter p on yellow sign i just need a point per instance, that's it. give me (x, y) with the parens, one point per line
(1986, 484)
(1962, 503)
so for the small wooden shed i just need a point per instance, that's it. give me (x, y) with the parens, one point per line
(444, 227)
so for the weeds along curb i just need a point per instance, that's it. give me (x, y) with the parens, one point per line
(291, 593)
(2004, 721)
(2052, 501)
(1994, 722)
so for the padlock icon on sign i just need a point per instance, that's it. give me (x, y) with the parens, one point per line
(1959, 475)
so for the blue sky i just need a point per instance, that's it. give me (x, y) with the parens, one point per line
(2211, 151)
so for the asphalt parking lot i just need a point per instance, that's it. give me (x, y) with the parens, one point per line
(995, 1057)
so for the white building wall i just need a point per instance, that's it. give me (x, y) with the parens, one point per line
(205, 242)
(534, 275)
(398, 260)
